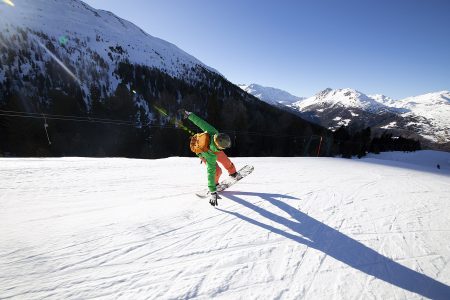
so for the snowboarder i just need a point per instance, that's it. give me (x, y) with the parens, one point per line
(209, 146)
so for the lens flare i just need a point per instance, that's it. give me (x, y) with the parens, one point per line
(63, 40)
(160, 110)
(173, 120)
(60, 63)
(9, 2)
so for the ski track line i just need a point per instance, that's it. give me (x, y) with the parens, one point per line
(400, 232)
(443, 268)
(379, 262)
(137, 275)
(298, 265)
(17, 187)
(307, 249)
(235, 224)
(239, 290)
(385, 259)
(384, 238)
(168, 235)
(354, 195)
(57, 250)
(111, 249)
(165, 247)
(192, 293)
(218, 252)
(121, 233)
(123, 253)
(150, 289)
(321, 260)
(159, 282)
(212, 255)
(196, 232)
(79, 212)
(423, 212)
(133, 247)
(67, 266)
(69, 284)
(313, 194)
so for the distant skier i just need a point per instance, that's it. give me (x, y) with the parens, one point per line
(209, 146)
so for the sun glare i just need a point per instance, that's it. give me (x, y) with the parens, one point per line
(9, 2)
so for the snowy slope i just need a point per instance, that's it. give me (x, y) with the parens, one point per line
(425, 160)
(79, 30)
(269, 94)
(388, 101)
(324, 228)
(103, 28)
(429, 114)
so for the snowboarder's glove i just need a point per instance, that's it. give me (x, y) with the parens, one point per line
(184, 113)
(213, 199)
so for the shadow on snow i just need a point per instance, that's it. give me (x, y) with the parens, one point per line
(331, 242)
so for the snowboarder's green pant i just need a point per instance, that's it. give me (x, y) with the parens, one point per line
(226, 163)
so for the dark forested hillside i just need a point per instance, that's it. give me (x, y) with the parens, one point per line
(46, 112)
(66, 100)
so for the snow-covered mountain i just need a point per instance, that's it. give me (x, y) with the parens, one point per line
(336, 108)
(81, 34)
(426, 116)
(86, 228)
(270, 95)
(383, 99)
(349, 98)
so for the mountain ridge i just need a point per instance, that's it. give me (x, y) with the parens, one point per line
(425, 116)
(270, 95)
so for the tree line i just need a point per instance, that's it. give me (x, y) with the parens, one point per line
(146, 101)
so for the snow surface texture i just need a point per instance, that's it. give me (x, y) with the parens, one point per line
(309, 228)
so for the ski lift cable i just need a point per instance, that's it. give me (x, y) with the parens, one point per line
(67, 116)
(12, 113)
(49, 117)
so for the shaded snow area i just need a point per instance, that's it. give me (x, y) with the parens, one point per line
(310, 228)
(425, 160)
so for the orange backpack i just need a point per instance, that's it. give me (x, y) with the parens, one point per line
(200, 142)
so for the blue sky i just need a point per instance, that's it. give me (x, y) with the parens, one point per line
(398, 48)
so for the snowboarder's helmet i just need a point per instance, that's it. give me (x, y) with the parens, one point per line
(222, 140)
